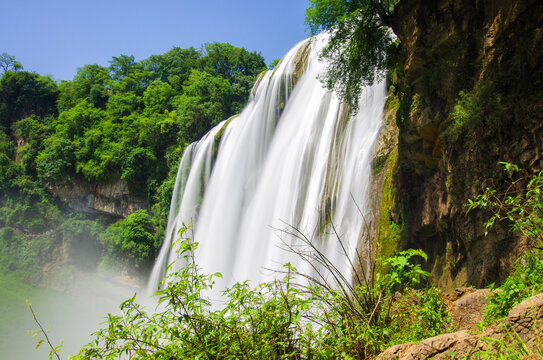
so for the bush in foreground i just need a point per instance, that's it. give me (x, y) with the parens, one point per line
(297, 317)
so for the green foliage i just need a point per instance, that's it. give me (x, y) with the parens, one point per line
(31, 132)
(57, 160)
(472, 108)
(521, 206)
(416, 315)
(157, 97)
(203, 104)
(360, 46)
(466, 111)
(138, 166)
(174, 66)
(90, 83)
(24, 255)
(123, 104)
(23, 94)
(510, 347)
(273, 64)
(278, 320)
(526, 281)
(8, 63)
(402, 273)
(129, 241)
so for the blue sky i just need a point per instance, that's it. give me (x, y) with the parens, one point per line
(57, 36)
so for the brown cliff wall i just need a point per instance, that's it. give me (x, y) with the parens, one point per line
(91, 199)
(492, 52)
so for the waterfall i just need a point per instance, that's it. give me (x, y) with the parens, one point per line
(293, 157)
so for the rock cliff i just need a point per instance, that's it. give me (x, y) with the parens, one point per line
(112, 199)
(469, 94)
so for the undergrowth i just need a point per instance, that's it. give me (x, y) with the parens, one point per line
(322, 316)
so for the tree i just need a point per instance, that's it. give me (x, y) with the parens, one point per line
(205, 102)
(57, 160)
(89, 83)
(131, 239)
(237, 65)
(157, 97)
(23, 94)
(121, 66)
(360, 43)
(137, 167)
(8, 63)
(174, 66)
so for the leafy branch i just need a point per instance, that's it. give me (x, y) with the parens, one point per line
(54, 349)
(521, 205)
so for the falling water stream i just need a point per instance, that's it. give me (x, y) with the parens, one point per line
(294, 158)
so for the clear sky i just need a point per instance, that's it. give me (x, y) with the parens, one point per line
(57, 36)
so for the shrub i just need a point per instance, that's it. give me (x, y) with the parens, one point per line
(25, 255)
(522, 207)
(526, 281)
(129, 240)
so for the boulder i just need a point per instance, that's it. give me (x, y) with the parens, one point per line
(526, 318)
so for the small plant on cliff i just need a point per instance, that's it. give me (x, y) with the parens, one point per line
(480, 105)
(522, 206)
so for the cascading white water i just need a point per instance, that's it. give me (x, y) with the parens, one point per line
(293, 157)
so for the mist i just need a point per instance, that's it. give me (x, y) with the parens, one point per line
(70, 317)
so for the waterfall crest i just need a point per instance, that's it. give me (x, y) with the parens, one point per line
(293, 157)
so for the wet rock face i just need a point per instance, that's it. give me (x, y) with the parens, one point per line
(98, 198)
(488, 51)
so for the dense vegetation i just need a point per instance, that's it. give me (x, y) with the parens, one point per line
(129, 121)
(293, 318)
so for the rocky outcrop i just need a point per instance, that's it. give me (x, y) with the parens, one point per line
(526, 318)
(481, 62)
(466, 306)
(94, 199)
(523, 322)
(438, 347)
